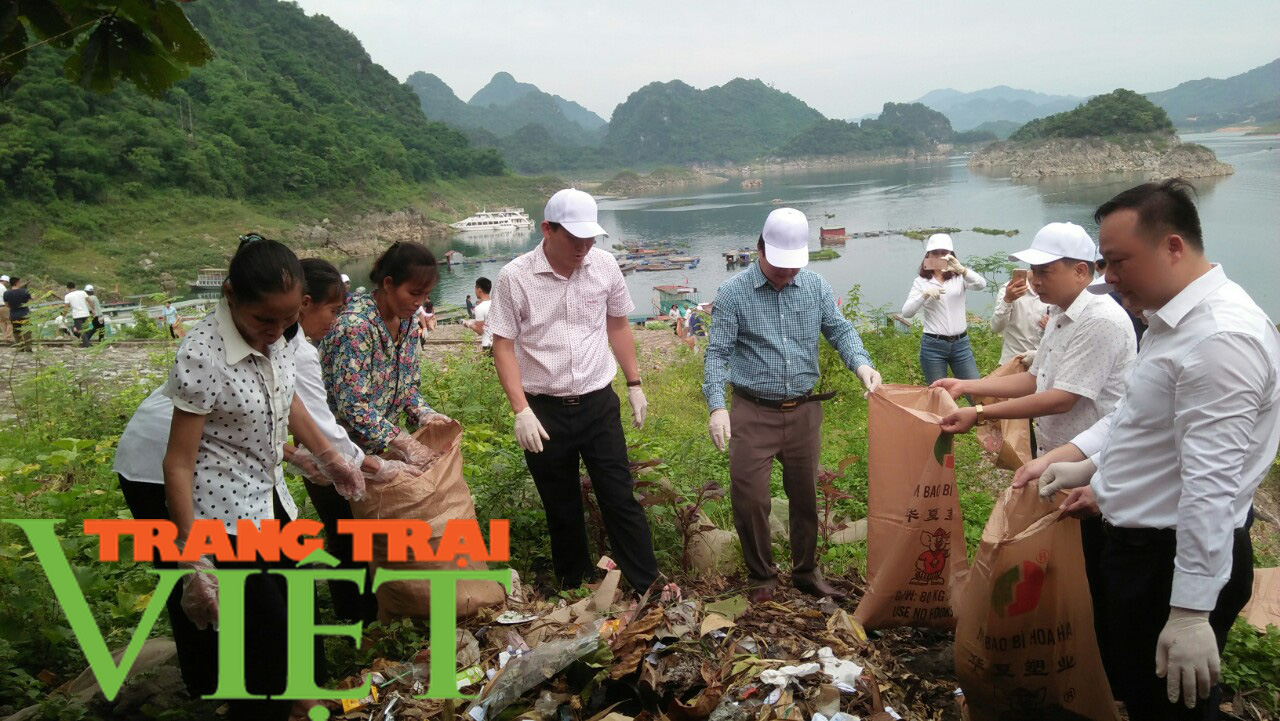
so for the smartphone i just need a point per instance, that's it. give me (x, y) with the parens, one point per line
(935, 264)
(1019, 274)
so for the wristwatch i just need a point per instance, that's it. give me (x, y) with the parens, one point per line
(981, 418)
(633, 384)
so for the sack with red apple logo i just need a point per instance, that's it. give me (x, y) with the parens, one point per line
(1025, 646)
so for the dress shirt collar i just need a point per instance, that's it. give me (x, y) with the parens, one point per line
(233, 343)
(542, 265)
(1082, 301)
(758, 277)
(1172, 313)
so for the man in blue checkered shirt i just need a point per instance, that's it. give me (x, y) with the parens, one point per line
(764, 341)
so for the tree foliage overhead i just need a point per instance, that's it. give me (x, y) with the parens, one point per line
(1120, 112)
(151, 44)
(292, 105)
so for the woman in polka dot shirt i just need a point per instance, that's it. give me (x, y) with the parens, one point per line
(232, 387)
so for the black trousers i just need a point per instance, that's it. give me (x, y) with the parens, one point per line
(266, 623)
(1134, 577)
(349, 604)
(589, 428)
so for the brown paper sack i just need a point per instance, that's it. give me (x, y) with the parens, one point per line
(437, 496)
(1008, 439)
(915, 534)
(1025, 646)
(1263, 608)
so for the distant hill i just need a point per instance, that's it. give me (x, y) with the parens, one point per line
(1120, 112)
(503, 89)
(1210, 103)
(673, 122)
(1002, 129)
(967, 111)
(898, 128)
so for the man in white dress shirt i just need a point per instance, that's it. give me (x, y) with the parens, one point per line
(1174, 467)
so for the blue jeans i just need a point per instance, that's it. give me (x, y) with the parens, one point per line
(936, 354)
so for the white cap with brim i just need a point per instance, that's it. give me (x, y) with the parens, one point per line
(1100, 286)
(88, 288)
(4, 279)
(576, 211)
(939, 241)
(346, 278)
(1056, 241)
(786, 238)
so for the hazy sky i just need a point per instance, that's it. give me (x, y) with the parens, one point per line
(843, 58)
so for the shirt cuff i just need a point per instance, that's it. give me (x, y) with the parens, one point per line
(1195, 592)
(715, 400)
(182, 405)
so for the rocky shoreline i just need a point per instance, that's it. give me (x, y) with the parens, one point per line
(1158, 158)
(780, 166)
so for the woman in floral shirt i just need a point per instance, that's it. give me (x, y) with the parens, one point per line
(370, 358)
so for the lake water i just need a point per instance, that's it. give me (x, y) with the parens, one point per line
(1240, 216)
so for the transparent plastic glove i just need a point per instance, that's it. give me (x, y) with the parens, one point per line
(388, 470)
(933, 292)
(529, 431)
(200, 594)
(305, 464)
(405, 447)
(638, 406)
(347, 479)
(870, 378)
(1065, 476)
(1187, 656)
(431, 417)
(954, 265)
(718, 427)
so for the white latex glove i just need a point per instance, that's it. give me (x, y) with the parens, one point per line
(718, 427)
(427, 419)
(200, 594)
(387, 470)
(954, 266)
(406, 448)
(1064, 476)
(638, 406)
(933, 292)
(870, 378)
(305, 465)
(529, 431)
(347, 479)
(1187, 655)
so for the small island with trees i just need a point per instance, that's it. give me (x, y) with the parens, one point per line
(1118, 132)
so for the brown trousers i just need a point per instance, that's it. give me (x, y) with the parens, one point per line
(793, 437)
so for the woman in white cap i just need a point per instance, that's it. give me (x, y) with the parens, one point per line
(940, 292)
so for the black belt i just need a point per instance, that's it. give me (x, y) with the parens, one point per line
(949, 338)
(564, 400)
(785, 404)
(1144, 536)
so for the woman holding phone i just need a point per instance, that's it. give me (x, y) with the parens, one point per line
(939, 291)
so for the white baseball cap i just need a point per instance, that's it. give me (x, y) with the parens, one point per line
(1056, 241)
(576, 211)
(88, 288)
(4, 279)
(939, 241)
(786, 238)
(346, 278)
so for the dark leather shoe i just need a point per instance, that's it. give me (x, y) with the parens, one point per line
(821, 588)
(760, 594)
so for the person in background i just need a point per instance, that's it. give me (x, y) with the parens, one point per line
(77, 305)
(1017, 318)
(171, 319)
(557, 312)
(480, 313)
(346, 288)
(764, 341)
(233, 404)
(940, 293)
(1174, 468)
(471, 308)
(370, 358)
(426, 317)
(60, 326)
(16, 299)
(6, 324)
(97, 321)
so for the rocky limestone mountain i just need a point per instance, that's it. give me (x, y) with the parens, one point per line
(1157, 157)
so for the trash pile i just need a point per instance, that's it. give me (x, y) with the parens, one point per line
(608, 657)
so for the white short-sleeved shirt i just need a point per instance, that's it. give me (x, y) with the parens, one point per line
(140, 452)
(559, 324)
(1087, 350)
(79, 302)
(245, 398)
(482, 314)
(310, 389)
